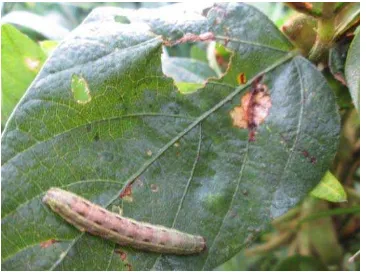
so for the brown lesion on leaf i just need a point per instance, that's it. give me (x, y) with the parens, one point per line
(126, 194)
(311, 159)
(47, 243)
(254, 108)
(190, 37)
(241, 78)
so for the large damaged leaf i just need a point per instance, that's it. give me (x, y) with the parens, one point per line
(162, 156)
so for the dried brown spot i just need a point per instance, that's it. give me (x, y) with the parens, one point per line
(154, 188)
(129, 267)
(254, 108)
(122, 254)
(313, 160)
(47, 243)
(127, 192)
(241, 78)
(306, 154)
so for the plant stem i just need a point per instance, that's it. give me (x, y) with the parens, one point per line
(325, 32)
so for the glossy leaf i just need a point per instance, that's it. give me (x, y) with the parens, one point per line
(185, 164)
(21, 60)
(330, 189)
(352, 70)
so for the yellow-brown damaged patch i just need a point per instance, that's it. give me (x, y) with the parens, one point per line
(241, 78)
(126, 194)
(253, 110)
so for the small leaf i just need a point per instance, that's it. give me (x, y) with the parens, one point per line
(330, 189)
(337, 59)
(352, 70)
(21, 59)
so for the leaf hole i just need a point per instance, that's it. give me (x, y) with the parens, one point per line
(121, 19)
(80, 89)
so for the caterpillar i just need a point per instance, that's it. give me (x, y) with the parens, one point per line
(96, 220)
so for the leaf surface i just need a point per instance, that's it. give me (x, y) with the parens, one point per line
(186, 164)
(21, 60)
(330, 189)
(352, 70)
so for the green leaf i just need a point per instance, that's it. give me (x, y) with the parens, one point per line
(352, 70)
(199, 53)
(186, 164)
(189, 74)
(48, 46)
(330, 189)
(21, 59)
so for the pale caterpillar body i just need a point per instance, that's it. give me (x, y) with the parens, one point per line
(96, 220)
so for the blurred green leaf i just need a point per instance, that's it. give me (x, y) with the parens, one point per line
(352, 70)
(48, 46)
(40, 24)
(330, 189)
(300, 263)
(21, 59)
